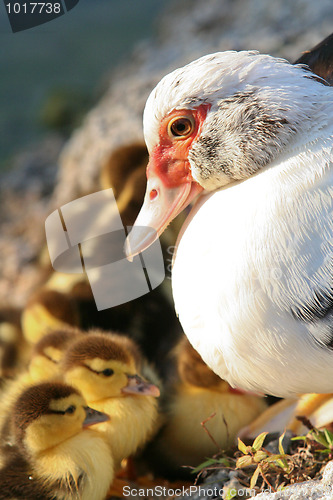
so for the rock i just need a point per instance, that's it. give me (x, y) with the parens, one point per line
(226, 484)
(25, 196)
(309, 490)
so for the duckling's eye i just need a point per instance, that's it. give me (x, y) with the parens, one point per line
(181, 127)
(108, 372)
(70, 410)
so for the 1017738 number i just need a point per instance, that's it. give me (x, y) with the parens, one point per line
(33, 7)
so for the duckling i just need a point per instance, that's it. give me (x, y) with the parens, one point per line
(200, 398)
(55, 456)
(44, 363)
(48, 352)
(43, 366)
(104, 367)
(125, 172)
(12, 345)
(47, 310)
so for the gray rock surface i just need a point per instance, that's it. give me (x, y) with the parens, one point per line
(25, 193)
(223, 484)
(309, 490)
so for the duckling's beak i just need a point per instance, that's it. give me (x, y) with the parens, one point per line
(137, 385)
(94, 417)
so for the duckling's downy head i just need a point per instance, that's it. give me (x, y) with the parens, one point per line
(48, 352)
(47, 414)
(103, 367)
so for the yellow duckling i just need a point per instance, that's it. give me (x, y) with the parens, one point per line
(44, 365)
(47, 310)
(104, 367)
(48, 352)
(201, 399)
(125, 172)
(13, 348)
(55, 456)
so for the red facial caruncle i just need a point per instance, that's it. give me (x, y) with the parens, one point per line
(170, 185)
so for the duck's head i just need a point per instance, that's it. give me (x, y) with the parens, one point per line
(47, 414)
(218, 120)
(101, 367)
(48, 352)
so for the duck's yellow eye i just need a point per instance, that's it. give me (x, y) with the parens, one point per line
(180, 127)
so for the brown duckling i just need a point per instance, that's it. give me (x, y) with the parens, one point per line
(105, 368)
(55, 455)
(44, 365)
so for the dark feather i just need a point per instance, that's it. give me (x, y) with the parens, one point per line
(320, 59)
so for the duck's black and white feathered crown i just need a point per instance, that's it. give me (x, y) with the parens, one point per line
(215, 77)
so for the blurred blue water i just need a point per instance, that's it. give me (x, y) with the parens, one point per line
(73, 51)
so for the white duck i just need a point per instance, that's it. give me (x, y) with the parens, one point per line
(252, 276)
